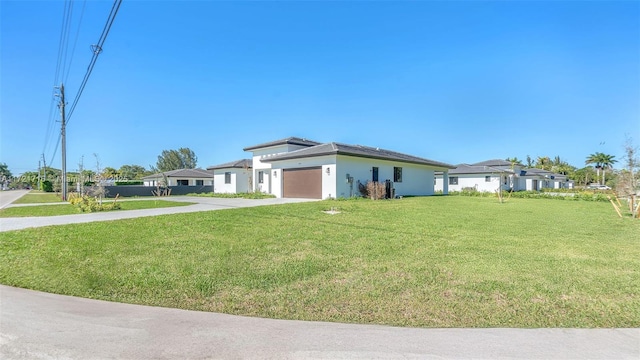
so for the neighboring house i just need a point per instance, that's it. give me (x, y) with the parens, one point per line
(301, 168)
(538, 179)
(232, 177)
(180, 177)
(491, 175)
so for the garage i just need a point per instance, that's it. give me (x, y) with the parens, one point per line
(302, 183)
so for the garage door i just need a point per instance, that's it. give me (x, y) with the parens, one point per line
(302, 183)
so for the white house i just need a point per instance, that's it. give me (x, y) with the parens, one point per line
(180, 177)
(491, 175)
(300, 168)
(538, 179)
(232, 177)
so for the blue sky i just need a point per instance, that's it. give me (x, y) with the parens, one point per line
(459, 81)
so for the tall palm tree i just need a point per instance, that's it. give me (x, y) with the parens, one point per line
(601, 161)
(596, 160)
(607, 163)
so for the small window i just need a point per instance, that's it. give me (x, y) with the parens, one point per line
(199, 182)
(260, 177)
(227, 177)
(453, 180)
(183, 182)
(505, 180)
(397, 174)
(374, 176)
(487, 178)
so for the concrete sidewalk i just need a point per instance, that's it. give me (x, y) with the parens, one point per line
(201, 204)
(36, 325)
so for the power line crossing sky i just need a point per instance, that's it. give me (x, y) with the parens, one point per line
(450, 81)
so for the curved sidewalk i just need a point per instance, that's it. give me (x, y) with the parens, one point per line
(201, 204)
(37, 325)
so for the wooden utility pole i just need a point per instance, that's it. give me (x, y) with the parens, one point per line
(63, 139)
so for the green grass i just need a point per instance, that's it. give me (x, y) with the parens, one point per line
(248, 195)
(37, 197)
(68, 209)
(428, 262)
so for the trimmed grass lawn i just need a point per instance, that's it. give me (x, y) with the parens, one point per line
(428, 262)
(68, 209)
(36, 197)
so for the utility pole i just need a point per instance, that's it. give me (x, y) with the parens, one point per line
(44, 169)
(39, 172)
(63, 139)
(81, 177)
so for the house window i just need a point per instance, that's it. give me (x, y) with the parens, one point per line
(397, 174)
(199, 182)
(374, 176)
(487, 178)
(453, 180)
(505, 180)
(182, 182)
(227, 177)
(260, 177)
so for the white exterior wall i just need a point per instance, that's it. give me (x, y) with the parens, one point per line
(476, 181)
(240, 179)
(258, 165)
(416, 179)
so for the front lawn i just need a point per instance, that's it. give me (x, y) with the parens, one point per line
(68, 209)
(430, 262)
(38, 197)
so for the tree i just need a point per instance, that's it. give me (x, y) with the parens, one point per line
(5, 174)
(110, 173)
(183, 158)
(529, 161)
(602, 162)
(543, 162)
(132, 172)
(632, 162)
(514, 161)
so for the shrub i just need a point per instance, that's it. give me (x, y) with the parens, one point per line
(46, 186)
(91, 204)
(129, 182)
(376, 190)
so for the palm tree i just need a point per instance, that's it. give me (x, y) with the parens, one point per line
(543, 162)
(607, 163)
(601, 161)
(514, 161)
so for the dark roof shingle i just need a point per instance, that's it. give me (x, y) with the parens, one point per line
(355, 150)
(241, 164)
(290, 140)
(187, 173)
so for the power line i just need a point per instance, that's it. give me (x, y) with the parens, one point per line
(97, 49)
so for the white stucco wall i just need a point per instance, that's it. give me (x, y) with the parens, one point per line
(240, 179)
(258, 165)
(416, 179)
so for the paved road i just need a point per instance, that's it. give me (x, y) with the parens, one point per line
(9, 196)
(202, 204)
(36, 325)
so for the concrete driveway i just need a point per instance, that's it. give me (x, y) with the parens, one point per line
(201, 204)
(36, 325)
(9, 196)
